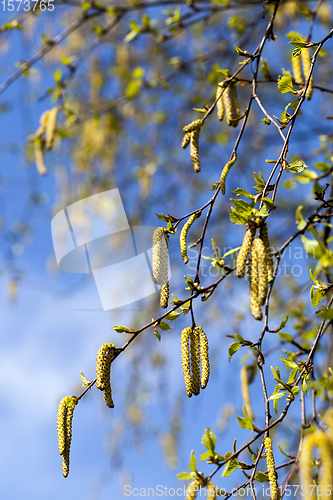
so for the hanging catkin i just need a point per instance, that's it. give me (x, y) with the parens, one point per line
(64, 428)
(231, 105)
(320, 440)
(204, 356)
(185, 350)
(271, 468)
(195, 361)
(297, 70)
(254, 284)
(244, 251)
(225, 172)
(160, 263)
(186, 140)
(211, 491)
(269, 258)
(219, 103)
(245, 389)
(51, 126)
(262, 270)
(183, 236)
(306, 61)
(39, 156)
(194, 150)
(103, 369)
(192, 490)
(197, 124)
(164, 296)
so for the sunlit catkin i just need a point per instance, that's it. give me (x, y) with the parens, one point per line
(195, 362)
(260, 249)
(160, 256)
(225, 172)
(39, 156)
(61, 427)
(105, 356)
(245, 390)
(51, 126)
(204, 356)
(219, 103)
(297, 70)
(271, 468)
(164, 295)
(211, 491)
(269, 258)
(197, 124)
(64, 427)
(192, 490)
(231, 105)
(320, 440)
(183, 236)
(254, 283)
(185, 351)
(186, 140)
(194, 150)
(244, 251)
(306, 61)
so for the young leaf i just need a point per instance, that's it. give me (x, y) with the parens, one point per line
(172, 316)
(85, 382)
(209, 440)
(261, 477)
(156, 332)
(229, 467)
(285, 85)
(193, 462)
(233, 348)
(122, 329)
(297, 166)
(316, 296)
(163, 325)
(186, 475)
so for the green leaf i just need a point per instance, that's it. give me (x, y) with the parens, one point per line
(243, 192)
(292, 375)
(265, 69)
(186, 475)
(297, 166)
(206, 455)
(138, 73)
(233, 348)
(236, 218)
(133, 88)
(233, 250)
(122, 329)
(269, 203)
(285, 336)
(288, 362)
(245, 423)
(305, 387)
(295, 390)
(301, 223)
(316, 296)
(229, 467)
(209, 440)
(172, 315)
(285, 85)
(266, 121)
(85, 382)
(163, 217)
(156, 332)
(312, 247)
(193, 462)
(298, 42)
(163, 325)
(261, 477)
(277, 396)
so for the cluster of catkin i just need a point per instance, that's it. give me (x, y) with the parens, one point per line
(103, 367)
(194, 487)
(44, 137)
(64, 428)
(194, 349)
(192, 132)
(305, 59)
(183, 236)
(227, 104)
(324, 443)
(271, 468)
(260, 266)
(161, 264)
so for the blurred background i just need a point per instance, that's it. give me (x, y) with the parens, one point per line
(125, 89)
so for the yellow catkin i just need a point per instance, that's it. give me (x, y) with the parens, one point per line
(185, 351)
(262, 269)
(245, 390)
(244, 251)
(164, 295)
(160, 256)
(269, 258)
(297, 70)
(204, 356)
(306, 61)
(322, 442)
(39, 157)
(105, 356)
(183, 236)
(194, 150)
(192, 490)
(219, 103)
(271, 468)
(211, 491)
(254, 283)
(225, 172)
(195, 362)
(197, 124)
(186, 140)
(231, 105)
(51, 126)
(42, 124)
(100, 371)
(64, 426)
